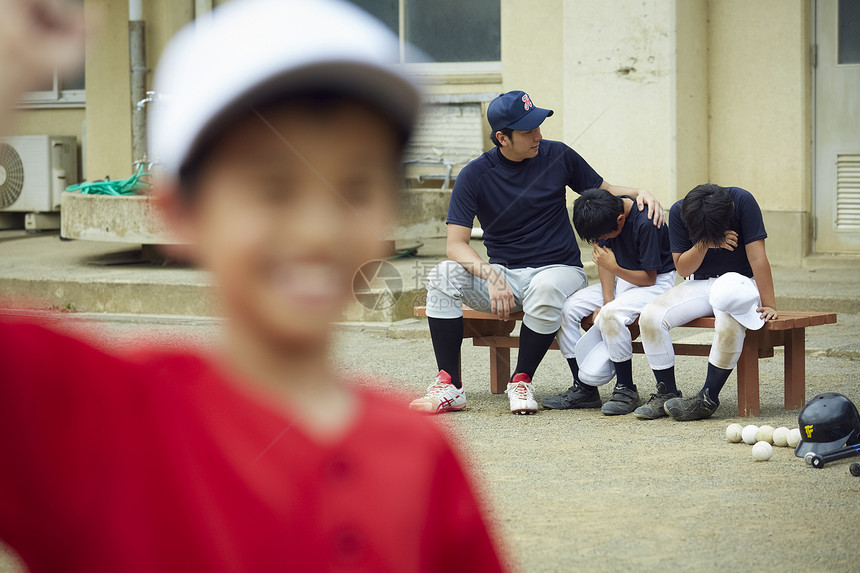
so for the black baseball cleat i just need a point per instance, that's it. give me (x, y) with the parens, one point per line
(653, 408)
(623, 401)
(696, 407)
(575, 397)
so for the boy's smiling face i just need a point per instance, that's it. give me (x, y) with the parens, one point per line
(287, 206)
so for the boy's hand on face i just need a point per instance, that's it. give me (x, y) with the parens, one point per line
(595, 314)
(655, 210)
(603, 257)
(767, 313)
(501, 296)
(729, 242)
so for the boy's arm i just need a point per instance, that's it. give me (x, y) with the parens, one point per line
(642, 198)
(604, 258)
(459, 250)
(763, 277)
(687, 262)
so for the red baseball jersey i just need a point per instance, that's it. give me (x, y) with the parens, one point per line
(159, 463)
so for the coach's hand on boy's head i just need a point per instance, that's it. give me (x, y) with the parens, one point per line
(655, 210)
(603, 257)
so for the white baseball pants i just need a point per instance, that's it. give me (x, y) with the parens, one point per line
(678, 306)
(615, 317)
(538, 292)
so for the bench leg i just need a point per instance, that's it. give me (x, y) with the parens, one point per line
(748, 398)
(500, 369)
(795, 368)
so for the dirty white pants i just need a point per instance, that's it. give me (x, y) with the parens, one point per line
(615, 317)
(678, 306)
(539, 292)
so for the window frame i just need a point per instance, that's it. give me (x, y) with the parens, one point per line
(57, 97)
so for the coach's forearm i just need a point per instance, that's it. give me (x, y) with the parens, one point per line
(464, 254)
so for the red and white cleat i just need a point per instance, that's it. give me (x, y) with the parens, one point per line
(522, 395)
(441, 396)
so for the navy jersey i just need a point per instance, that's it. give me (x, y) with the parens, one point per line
(522, 206)
(641, 246)
(746, 222)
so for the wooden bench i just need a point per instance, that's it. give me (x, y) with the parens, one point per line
(789, 331)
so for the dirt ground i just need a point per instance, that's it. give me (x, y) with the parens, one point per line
(575, 490)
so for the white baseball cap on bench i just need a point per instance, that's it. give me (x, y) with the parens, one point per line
(246, 49)
(738, 296)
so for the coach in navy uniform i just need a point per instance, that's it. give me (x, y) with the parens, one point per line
(517, 192)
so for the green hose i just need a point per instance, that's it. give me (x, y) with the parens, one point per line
(131, 186)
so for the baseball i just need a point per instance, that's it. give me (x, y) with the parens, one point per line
(764, 434)
(733, 433)
(748, 434)
(780, 436)
(793, 437)
(762, 451)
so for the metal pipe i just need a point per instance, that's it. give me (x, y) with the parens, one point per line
(137, 61)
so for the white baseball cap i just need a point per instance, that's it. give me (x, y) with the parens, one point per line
(592, 356)
(738, 296)
(248, 50)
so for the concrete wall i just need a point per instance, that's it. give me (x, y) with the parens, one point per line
(760, 129)
(617, 89)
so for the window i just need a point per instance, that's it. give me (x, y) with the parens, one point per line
(849, 32)
(466, 34)
(59, 91)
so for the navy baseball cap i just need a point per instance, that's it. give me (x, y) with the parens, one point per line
(515, 110)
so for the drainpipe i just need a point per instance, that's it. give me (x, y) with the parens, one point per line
(137, 61)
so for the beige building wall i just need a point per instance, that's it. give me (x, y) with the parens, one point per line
(617, 83)
(760, 132)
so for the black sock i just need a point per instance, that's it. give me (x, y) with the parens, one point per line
(624, 374)
(447, 336)
(574, 369)
(666, 378)
(533, 347)
(715, 381)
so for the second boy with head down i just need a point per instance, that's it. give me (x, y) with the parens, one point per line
(714, 231)
(635, 266)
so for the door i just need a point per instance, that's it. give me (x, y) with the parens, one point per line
(837, 126)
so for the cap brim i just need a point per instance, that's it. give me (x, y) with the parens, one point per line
(751, 319)
(592, 356)
(804, 448)
(532, 119)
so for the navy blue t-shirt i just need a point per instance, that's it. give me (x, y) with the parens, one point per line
(522, 206)
(746, 222)
(641, 246)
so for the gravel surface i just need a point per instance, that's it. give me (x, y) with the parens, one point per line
(578, 490)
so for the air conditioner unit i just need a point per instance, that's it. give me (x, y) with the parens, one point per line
(34, 171)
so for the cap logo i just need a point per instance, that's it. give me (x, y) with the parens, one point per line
(527, 103)
(808, 430)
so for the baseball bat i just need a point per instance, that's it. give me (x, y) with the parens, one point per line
(818, 460)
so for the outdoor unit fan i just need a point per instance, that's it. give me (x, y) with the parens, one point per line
(11, 176)
(34, 171)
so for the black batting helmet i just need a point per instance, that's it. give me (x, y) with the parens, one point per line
(827, 422)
